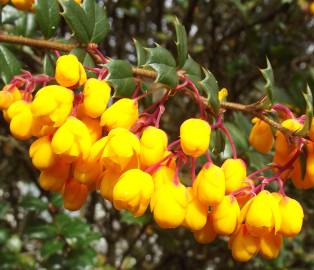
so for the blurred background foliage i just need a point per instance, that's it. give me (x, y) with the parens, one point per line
(230, 37)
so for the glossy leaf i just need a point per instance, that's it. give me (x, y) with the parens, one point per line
(162, 61)
(49, 64)
(47, 16)
(181, 42)
(9, 65)
(121, 77)
(141, 53)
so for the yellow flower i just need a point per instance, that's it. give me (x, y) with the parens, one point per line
(261, 136)
(86, 172)
(226, 215)
(162, 175)
(93, 126)
(119, 150)
(291, 217)
(235, 174)
(54, 177)
(41, 153)
(21, 119)
(69, 71)
(209, 185)
(243, 245)
(122, 114)
(196, 212)
(207, 234)
(133, 191)
(74, 195)
(168, 205)
(72, 139)
(154, 143)
(222, 94)
(282, 146)
(9, 96)
(25, 5)
(53, 102)
(261, 214)
(108, 182)
(311, 8)
(96, 97)
(270, 245)
(195, 137)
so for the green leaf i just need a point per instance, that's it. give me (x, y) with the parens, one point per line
(47, 16)
(193, 71)
(51, 247)
(217, 142)
(86, 59)
(77, 20)
(163, 62)
(181, 42)
(33, 203)
(88, 23)
(210, 86)
(121, 77)
(128, 218)
(268, 75)
(309, 112)
(45, 231)
(141, 53)
(49, 64)
(9, 65)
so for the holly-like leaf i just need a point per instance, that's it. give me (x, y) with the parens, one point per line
(193, 71)
(49, 64)
(161, 60)
(120, 76)
(309, 112)
(140, 52)
(268, 75)
(47, 16)
(9, 65)
(181, 42)
(210, 86)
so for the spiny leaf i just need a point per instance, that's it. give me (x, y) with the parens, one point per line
(309, 112)
(47, 16)
(268, 75)
(193, 71)
(164, 63)
(140, 52)
(182, 42)
(210, 86)
(9, 65)
(121, 77)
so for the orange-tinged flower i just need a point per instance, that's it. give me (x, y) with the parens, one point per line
(270, 245)
(93, 126)
(168, 205)
(226, 215)
(86, 172)
(207, 234)
(195, 137)
(121, 114)
(235, 174)
(209, 185)
(108, 182)
(154, 143)
(25, 5)
(243, 245)
(69, 71)
(8, 96)
(261, 136)
(41, 153)
(96, 97)
(74, 195)
(196, 212)
(133, 191)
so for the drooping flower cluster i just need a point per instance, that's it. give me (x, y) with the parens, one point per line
(87, 140)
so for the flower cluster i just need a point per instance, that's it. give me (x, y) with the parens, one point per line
(26, 5)
(86, 140)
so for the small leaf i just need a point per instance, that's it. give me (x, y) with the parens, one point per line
(128, 218)
(210, 86)
(193, 71)
(77, 20)
(268, 75)
(49, 64)
(47, 16)
(141, 53)
(121, 77)
(163, 62)
(9, 65)
(45, 231)
(51, 247)
(33, 203)
(309, 112)
(182, 42)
